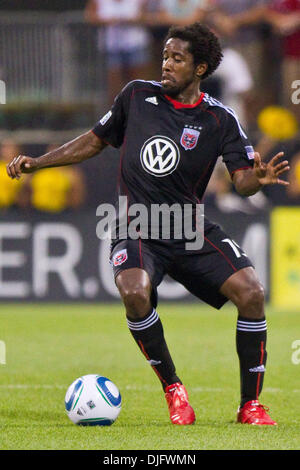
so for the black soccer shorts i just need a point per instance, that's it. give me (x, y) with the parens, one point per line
(201, 272)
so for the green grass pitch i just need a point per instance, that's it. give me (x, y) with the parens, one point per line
(48, 346)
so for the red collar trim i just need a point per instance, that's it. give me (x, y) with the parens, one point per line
(179, 105)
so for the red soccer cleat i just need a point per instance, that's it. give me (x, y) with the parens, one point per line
(181, 411)
(254, 413)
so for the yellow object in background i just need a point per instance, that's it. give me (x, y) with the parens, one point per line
(297, 173)
(285, 257)
(50, 189)
(8, 188)
(277, 123)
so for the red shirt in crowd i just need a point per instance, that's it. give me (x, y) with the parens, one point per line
(291, 42)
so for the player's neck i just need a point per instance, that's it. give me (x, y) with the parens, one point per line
(189, 95)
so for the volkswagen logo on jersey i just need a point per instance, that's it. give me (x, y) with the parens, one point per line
(159, 156)
(189, 138)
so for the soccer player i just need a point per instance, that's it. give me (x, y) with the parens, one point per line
(171, 135)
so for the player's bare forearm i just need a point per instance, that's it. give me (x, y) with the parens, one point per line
(252, 16)
(246, 182)
(76, 151)
(249, 181)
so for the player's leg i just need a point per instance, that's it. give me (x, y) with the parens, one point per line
(244, 289)
(144, 323)
(138, 293)
(222, 271)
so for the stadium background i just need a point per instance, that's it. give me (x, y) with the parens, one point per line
(57, 86)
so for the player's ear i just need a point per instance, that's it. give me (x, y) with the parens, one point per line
(201, 69)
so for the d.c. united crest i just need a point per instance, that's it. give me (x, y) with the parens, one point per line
(189, 138)
(120, 257)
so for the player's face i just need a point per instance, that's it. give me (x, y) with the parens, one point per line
(178, 69)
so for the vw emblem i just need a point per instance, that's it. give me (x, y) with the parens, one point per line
(159, 156)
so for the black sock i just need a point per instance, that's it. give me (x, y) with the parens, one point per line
(148, 334)
(251, 338)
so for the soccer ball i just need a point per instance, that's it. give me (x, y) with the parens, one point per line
(93, 400)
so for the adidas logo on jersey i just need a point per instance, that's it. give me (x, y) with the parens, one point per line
(152, 100)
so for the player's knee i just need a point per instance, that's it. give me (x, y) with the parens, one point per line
(137, 301)
(251, 300)
(135, 290)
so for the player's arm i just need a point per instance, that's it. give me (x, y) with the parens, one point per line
(83, 147)
(284, 23)
(92, 16)
(252, 16)
(229, 24)
(249, 181)
(163, 17)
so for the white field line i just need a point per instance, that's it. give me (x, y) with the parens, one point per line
(135, 388)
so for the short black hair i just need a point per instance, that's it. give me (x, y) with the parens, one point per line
(204, 45)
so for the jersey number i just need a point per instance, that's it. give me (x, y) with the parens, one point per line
(236, 248)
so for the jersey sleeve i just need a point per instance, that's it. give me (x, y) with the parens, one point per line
(236, 149)
(112, 126)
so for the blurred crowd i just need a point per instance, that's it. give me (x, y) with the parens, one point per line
(259, 78)
(52, 190)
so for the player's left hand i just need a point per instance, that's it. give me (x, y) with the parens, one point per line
(268, 173)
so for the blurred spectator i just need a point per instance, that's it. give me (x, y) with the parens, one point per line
(284, 16)
(236, 82)
(122, 38)
(157, 31)
(293, 190)
(9, 189)
(56, 189)
(279, 132)
(239, 22)
(278, 123)
(241, 25)
(279, 195)
(180, 12)
(159, 15)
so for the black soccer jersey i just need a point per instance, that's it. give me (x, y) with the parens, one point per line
(169, 149)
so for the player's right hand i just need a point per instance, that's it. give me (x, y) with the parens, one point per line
(21, 164)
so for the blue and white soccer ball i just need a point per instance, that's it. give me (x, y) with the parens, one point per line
(93, 400)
